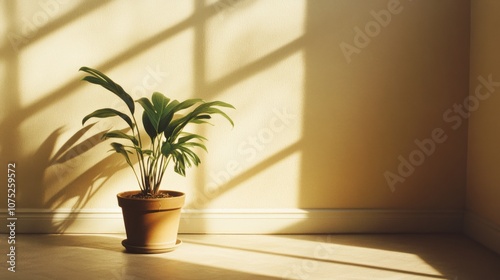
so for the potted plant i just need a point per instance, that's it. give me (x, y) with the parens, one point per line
(151, 215)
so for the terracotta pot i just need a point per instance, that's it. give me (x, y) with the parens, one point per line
(151, 224)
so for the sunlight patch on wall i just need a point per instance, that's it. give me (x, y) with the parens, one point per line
(273, 183)
(240, 34)
(268, 113)
(262, 152)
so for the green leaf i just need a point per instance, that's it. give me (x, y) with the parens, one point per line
(162, 106)
(104, 81)
(196, 116)
(170, 107)
(159, 101)
(165, 115)
(208, 108)
(184, 141)
(195, 144)
(172, 126)
(120, 134)
(180, 165)
(106, 113)
(186, 104)
(119, 148)
(190, 136)
(201, 119)
(141, 151)
(190, 156)
(148, 126)
(97, 81)
(166, 149)
(221, 104)
(150, 111)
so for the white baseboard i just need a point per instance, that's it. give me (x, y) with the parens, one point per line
(482, 231)
(248, 221)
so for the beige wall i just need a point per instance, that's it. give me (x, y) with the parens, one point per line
(340, 104)
(483, 192)
(365, 111)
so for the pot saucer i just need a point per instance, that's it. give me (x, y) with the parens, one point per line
(150, 249)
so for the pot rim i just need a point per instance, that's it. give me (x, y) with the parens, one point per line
(151, 204)
(126, 194)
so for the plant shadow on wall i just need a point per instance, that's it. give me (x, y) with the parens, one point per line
(66, 184)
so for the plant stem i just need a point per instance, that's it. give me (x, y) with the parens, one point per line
(140, 156)
(163, 171)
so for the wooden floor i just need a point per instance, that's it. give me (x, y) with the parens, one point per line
(235, 257)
